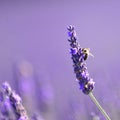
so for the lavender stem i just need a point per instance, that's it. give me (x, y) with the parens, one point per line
(99, 106)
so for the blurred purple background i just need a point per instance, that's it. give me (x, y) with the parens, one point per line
(36, 31)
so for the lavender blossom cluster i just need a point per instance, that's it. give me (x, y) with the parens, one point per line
(11, 107)
(15, 102)
(79, 56)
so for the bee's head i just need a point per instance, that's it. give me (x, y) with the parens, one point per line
(87, 51)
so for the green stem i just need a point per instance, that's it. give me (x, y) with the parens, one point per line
(99, 106)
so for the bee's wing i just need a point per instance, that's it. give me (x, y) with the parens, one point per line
(91, 54)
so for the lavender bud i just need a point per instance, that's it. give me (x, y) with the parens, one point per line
(7, 88)
(73, 50)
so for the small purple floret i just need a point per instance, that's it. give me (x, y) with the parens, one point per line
(73, 51)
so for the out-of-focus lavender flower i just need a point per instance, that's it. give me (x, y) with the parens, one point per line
(45, 97)
(15, 102)
(37, 116)
(29, 85)
(6, 111)
(79, 56)
(25, 78)
(94, 116)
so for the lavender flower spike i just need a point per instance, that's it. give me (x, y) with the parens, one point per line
(79, 56)
(15, 102)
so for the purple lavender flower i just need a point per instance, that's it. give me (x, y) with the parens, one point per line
(79, 56)
(37, 116)
(15, 102)
(6, 111)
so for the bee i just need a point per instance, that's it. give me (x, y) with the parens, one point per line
(87, 53)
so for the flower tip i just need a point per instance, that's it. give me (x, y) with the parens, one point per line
(70, 28)
(5, 85)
